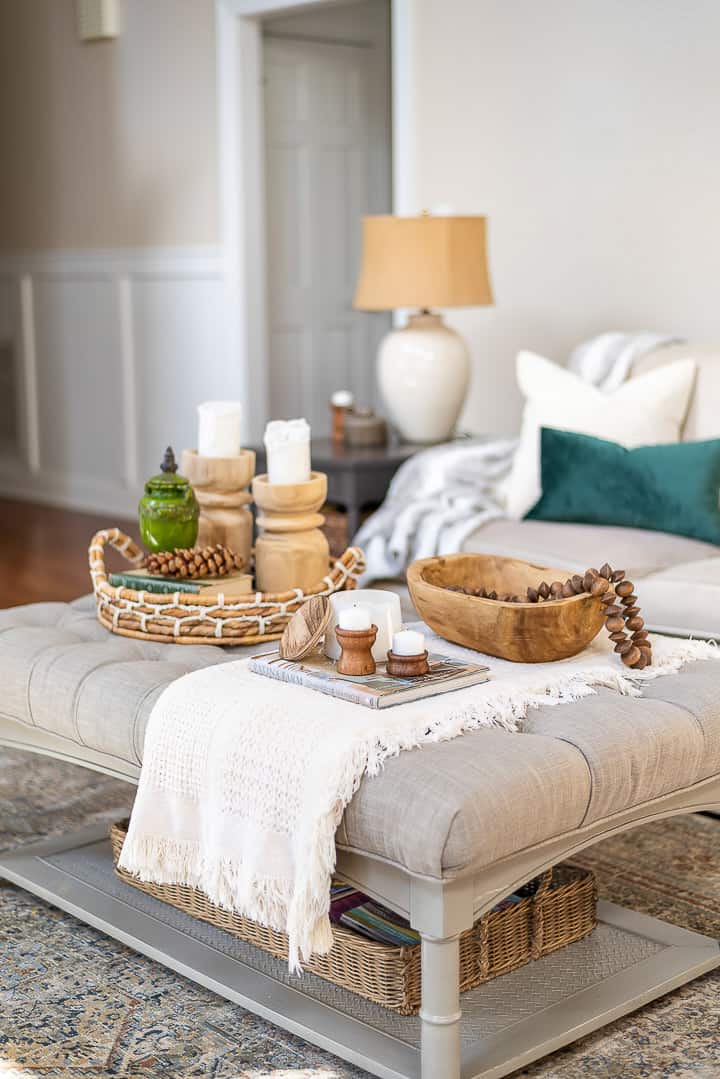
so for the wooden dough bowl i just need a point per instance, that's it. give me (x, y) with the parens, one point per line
(523, 632)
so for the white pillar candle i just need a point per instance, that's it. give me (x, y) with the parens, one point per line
(219, 426)
(408, 642)
(354, 618)
(287, 443)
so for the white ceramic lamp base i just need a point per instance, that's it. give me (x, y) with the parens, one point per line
(423, 372)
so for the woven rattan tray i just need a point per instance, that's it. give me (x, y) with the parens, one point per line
(557, 909)
(187, 618)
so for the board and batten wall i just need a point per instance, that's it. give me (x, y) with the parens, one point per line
(588, 133)
(111, 274)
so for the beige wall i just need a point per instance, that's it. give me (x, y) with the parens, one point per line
(109, 143)
(588, 132)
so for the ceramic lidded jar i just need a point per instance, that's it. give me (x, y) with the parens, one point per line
(168, 511)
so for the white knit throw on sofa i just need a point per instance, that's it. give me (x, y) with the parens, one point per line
(245, 779)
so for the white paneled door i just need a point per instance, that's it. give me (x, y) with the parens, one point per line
(327, 136)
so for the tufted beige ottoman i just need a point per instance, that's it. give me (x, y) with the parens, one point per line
(441, 835)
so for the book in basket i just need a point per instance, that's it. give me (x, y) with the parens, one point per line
(377, 690)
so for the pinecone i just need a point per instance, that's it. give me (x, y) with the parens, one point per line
(193, 562)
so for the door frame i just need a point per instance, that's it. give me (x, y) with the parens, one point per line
(238, 28)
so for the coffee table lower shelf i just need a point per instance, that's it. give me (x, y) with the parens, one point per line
(629, 960)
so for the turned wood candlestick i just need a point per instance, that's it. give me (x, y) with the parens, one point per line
(221, 487)
(407, 666)
(290, 550)
(356, 656)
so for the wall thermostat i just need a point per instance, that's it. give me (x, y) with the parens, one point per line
(97, 19)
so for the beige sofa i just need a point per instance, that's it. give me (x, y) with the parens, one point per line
(678, 579)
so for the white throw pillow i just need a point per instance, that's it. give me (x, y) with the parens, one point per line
(644, 411)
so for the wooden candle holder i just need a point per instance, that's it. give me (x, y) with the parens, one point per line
(407, 666)
(290, 550)
(221, 487)
(356, 657)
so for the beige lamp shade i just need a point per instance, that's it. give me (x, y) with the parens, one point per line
(423, 262)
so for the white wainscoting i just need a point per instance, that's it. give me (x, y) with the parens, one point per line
(107, 354)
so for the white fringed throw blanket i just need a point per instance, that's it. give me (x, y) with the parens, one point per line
(245, 779)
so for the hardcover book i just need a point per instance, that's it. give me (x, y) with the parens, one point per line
(236, 583)
(378, 690)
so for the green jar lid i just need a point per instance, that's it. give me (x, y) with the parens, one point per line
(167, 481)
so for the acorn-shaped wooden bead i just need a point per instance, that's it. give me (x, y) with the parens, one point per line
(622, 647)
(599, 586)
(613, 609)
(606, 571)
(532, 595)
(630, 612)
(630, 658)
(615, 623)
(640, 635)
(609, 598)
(621, 635)
(556, 589)
(588, 580)
(641, 663)
(629, 601)
(577, 583)
(491, 595)
(544, 589)
(617, 575)
(635, 623)
(568, 590)
(624, 588)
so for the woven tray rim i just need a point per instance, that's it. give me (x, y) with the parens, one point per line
(210, 619)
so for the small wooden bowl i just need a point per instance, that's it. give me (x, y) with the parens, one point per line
(522, 632)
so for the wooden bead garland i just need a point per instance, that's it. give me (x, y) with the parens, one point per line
(614, 591)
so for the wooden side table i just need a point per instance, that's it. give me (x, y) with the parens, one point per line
(358, 479)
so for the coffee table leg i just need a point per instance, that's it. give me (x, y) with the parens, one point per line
(440, 913)
(440, 1012)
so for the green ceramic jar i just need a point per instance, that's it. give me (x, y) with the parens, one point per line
(168, 510)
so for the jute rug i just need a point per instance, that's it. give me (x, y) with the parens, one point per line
(75, 1004)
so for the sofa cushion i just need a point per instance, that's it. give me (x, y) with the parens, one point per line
(441, 810)
(703, 418)
(684, 599)
(578, 546)
(645, 410)
(668, 488)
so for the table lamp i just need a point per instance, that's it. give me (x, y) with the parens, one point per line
(423, 262)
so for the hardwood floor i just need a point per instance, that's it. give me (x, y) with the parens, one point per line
(43, 551)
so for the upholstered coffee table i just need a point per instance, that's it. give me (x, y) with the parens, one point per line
(440, 836)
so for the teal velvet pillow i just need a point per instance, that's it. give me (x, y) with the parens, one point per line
(669, 488)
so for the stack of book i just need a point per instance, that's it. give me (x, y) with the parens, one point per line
(231, 584)
(363, 915)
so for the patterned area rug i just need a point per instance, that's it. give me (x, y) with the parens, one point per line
(75, 1004)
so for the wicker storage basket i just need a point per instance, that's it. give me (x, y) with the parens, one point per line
(558, 908)
(188, 618)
